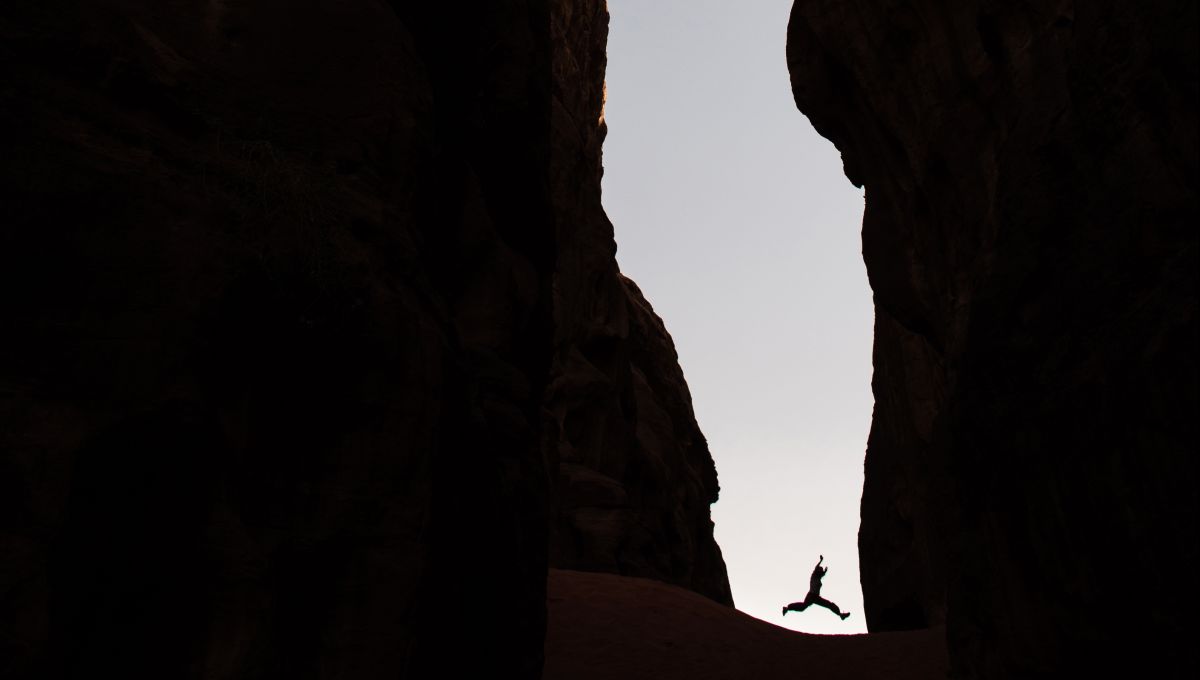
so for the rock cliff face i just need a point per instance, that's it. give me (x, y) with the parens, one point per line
(313, 337)
(635, 479)
(1031, 183)
(634, 476)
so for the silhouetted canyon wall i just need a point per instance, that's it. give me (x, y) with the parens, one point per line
(634, 476)
(1030, 237)
(315, 353)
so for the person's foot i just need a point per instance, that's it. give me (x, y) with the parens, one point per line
(784, 612)
(844, 615)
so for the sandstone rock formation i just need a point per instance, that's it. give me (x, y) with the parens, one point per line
(1031, 182)
(634, 476)
(311, 333)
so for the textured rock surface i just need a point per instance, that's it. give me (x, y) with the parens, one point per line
(284, 285)
(1031, 179)
(635, 478)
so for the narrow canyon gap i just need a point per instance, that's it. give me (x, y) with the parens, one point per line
(734, 217)
(314, 337)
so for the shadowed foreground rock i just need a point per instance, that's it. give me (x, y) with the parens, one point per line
(1030, 236)
(311, 331)
(603, 627)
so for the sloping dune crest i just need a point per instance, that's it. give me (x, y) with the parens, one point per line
(604, 627)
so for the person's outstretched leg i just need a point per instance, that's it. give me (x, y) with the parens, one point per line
(820, 601)
(796, 607)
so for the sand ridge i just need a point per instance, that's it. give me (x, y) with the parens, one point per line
(603, 627)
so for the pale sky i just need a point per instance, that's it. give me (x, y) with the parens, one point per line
(733, 216)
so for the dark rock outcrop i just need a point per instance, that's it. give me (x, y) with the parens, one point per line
(303, 304)
(1031, 180)
(634, 476)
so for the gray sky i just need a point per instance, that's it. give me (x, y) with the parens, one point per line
(733, 216)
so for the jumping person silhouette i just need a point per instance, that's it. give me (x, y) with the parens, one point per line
(814, 594)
